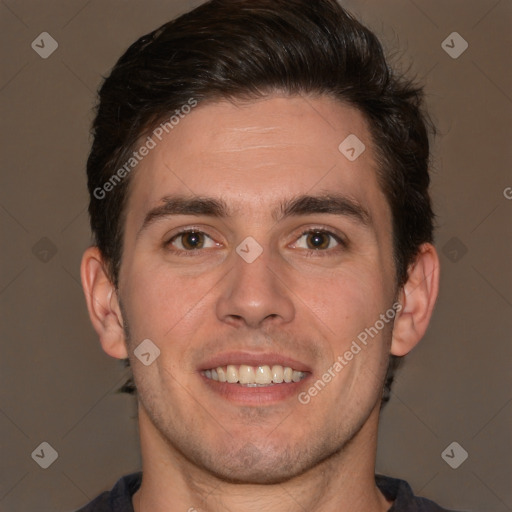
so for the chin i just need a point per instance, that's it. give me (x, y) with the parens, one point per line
(251, 465)
(238, 473)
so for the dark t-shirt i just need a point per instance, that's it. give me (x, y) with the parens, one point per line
(119, 499)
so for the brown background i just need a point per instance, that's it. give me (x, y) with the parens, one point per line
(56, 383)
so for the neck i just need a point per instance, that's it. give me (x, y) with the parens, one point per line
(344, 482)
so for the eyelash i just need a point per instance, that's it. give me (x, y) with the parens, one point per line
(342, 244)
(180, 252)
(307, 252)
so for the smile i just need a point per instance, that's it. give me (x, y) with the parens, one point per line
(254, 376)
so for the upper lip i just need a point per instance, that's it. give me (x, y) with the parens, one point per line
(253, 359)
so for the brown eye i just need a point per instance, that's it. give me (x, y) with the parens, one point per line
(191, 240)
(318, 240)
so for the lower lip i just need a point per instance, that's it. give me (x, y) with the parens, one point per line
(257, 395)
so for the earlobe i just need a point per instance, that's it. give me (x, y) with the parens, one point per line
(102, 304)
(417, 297)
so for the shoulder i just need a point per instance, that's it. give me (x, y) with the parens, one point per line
(119, 498)
(404, 499)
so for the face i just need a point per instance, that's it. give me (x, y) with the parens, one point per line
(255, 254)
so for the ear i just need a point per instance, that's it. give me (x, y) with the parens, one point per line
(103, 304)
(417, 297)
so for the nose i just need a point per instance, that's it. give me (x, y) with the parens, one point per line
(254, 294)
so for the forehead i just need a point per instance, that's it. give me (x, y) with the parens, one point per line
(255, 154)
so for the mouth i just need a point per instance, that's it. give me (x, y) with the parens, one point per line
(254, 376)
(256, 379)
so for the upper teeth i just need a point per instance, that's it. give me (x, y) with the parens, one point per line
(254, 375)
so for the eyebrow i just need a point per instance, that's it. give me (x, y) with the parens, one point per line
(334, 204)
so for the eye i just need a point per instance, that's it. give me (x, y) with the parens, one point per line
(191, 240)
(318, 240)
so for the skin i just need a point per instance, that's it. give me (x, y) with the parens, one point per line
(308, 304)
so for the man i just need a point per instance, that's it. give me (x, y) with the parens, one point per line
(259, 199)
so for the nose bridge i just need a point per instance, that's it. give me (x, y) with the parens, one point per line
(252, 293)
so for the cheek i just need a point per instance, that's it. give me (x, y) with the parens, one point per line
(166, 306)
(351, 309)
(350, 299)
